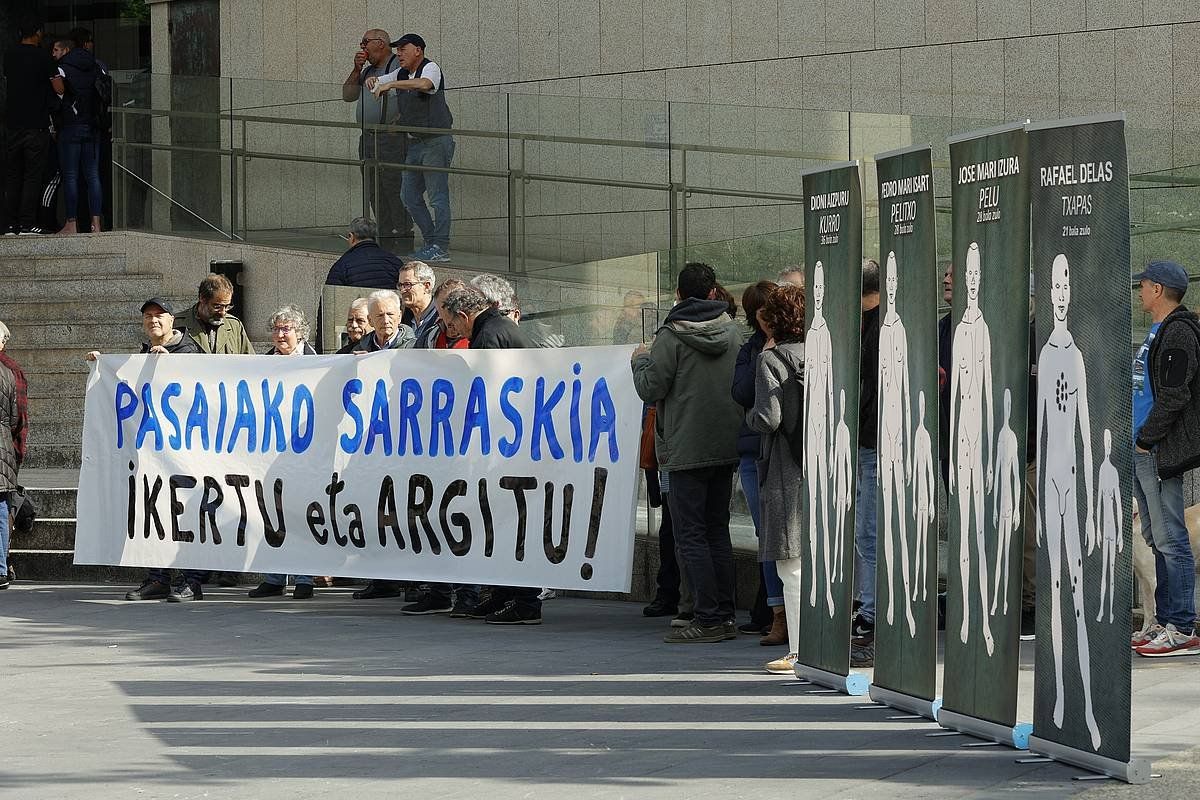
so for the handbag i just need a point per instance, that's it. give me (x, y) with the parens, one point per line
(647, 457)
(24, 511)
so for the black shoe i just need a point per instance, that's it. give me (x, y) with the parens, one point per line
(265, 589)
(226, 579)
(513, 614)
(862, 655)
(413, 595)
(429, 604)
(1028, 624)
(753, 629)
(461, 610)
(376, 590)
(303, 591)
(660, 608)
(34, 230)
(4, 581)
(486, 606)
(862, 628)
(730, 628)
(186, 593)
(149, 590)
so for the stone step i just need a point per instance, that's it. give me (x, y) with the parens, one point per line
(52, 357)
(119, 291)
(56, 565)
(57, 503)
(53, 456)
(49, 533)
(113, 336)
(40, 266)
(56, 432)
(73, 310)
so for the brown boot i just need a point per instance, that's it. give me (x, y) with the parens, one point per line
(778, 634)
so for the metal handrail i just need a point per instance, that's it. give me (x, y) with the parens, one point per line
(172, 200)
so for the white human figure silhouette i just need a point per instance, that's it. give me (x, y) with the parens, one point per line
(818, 421)
(1110, 521)
(895, 424)
(843, 480)
(923, 498)
(1007, 498)
(970, 435)
(1063, 411)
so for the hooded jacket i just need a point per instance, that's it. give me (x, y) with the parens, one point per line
(79, 102)
(179, 342)
(1172, 429)
(686, 374)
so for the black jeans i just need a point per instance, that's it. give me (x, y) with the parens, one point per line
(25, 156)
(668, 564)
(390, 215)
(699, 502)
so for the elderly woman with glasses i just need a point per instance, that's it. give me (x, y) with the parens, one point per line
(289, 335)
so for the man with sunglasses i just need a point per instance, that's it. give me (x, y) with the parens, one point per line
(384, 152)
(209, 322)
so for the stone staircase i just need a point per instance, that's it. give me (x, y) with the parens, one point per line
(60, 298)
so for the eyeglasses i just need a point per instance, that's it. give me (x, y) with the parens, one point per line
(284, 329)
(221, 306)
(363, 43)
(408, 284)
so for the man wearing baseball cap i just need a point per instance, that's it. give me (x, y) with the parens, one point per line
(158, 320)
(420, 91)
(1166, 430)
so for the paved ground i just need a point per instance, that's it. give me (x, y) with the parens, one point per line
(232, 698)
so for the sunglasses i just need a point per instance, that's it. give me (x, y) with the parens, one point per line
(364, 42)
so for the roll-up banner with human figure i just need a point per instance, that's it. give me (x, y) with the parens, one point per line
(1080, 197)
(906, 501)
(833, 317)
(989, 378)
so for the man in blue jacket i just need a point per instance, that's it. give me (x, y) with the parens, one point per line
(365, 263)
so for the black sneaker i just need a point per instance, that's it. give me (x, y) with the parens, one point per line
(265, 589)
(487, 605)
(862, 627)
(1028, 624)
(428, 604)
(376, 590)
(461, 609)
(34, 230)
(731, 629)
(4, 581)
(514, 614)
(149, 590)
(862, 655)
(303, 591)
(753, 629)
(660, 608)
(11, 230)
(186, 593)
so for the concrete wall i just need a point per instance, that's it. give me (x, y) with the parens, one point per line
(833, 79)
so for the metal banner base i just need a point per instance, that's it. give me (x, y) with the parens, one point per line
(906, 702)
(855, 684)
(1016, 736)
(1136, 771)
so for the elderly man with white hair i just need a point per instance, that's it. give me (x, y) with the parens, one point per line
(14, 422)
(386, 312)
(415, 285)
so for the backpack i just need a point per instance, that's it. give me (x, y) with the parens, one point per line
(24, 512)
(102, 96)
(793, 429)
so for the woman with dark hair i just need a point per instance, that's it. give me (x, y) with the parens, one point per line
(768, 621)
(778, 404)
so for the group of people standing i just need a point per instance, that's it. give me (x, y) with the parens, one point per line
(56, 120)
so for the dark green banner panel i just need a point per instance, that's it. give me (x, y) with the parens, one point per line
(989, 379)
(906, 492)
(1079, 186)
(833, 275)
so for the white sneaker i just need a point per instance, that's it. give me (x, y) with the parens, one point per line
(782, 666)
(547, 594)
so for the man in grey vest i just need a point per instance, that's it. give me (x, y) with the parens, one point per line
(420, 92)
(380, 150)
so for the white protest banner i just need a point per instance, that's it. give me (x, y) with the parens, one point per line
(507, 467)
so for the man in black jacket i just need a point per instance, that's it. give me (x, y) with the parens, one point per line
(868, 462)
(1166, 430)
(158, 321)
(466, 312)
(365, 263)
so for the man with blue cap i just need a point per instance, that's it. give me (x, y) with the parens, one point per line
(1166, 430)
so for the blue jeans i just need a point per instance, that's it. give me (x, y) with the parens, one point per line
(79, 144)
(1164, 529)
(436, 151)
(748, 473)
(4, 534)
(192, 576)
(276, 579)
(864, 530)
